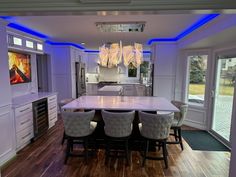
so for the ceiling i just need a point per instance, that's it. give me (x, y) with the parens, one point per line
(78, 29)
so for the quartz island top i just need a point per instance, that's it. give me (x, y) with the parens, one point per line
(29, 98)
(111, 88)
(137, 103)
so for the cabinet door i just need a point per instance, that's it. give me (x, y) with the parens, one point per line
(92, 63)
(7, 135)
(128, 90)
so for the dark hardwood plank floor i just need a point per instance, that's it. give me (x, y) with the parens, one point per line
(45, 158)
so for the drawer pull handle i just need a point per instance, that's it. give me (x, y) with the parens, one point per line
(53, 118)
(51, 99)
(26, 136)
(53, 107)
(24, 110)
(22, 123)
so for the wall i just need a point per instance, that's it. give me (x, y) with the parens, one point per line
(7, 131)
(27, 88)
(164, 58)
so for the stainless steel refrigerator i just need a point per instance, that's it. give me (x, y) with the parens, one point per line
(80, 79)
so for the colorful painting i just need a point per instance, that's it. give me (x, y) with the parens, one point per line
(19, 67)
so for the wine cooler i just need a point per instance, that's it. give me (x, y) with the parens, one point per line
(40, 114)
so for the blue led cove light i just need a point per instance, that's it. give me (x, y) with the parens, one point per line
(189, 30)
(27, 30)
(66, 43)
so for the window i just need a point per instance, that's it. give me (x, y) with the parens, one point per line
(39, 46)
(132, 71)
(29, 44)
(197, 78)
(17, 41)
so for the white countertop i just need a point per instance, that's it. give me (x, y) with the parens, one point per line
(122, 103)
(114, 88)
(29, 98)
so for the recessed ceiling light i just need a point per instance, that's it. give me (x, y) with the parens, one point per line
(82, 43)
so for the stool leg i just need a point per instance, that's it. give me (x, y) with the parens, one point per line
(86, 150)
(165, 153)
(67, 150)
(107, 153)
(63, 139)
(145, 152)
(127, 151)
(175, 134)
(180, 138)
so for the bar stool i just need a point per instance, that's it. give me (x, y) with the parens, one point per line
(78, 126)
(155, 127)
(61, 104)
(178, 122)
(118, 128)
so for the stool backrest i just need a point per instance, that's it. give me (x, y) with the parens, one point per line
(77, 124)
(180, 116)
(155, 126)
(118, 124)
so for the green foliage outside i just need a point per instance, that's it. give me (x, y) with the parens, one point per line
(199, 89)
(144, 68)
(196, 70)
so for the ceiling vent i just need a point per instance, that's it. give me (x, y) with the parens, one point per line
(120, 26)
(105, 1)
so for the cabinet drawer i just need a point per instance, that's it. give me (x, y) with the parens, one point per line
(53, 117)
(52, 108)
(23, 110)
(52, 99)
(24, 121)
(24, 136)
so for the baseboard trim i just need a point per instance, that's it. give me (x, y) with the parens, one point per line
(195, 125)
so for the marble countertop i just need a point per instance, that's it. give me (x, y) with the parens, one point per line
(122, 103)
(112, 88)
(29, 98)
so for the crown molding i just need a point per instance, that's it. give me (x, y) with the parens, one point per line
(73, 7)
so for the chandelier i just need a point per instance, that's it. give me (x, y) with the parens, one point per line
(111, 57)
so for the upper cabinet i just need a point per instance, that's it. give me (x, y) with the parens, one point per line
(92, 64)
(17, 41)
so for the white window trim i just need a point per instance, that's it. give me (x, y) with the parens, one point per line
(188, 53)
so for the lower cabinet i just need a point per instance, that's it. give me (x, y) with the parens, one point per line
(52, 110)
(24, 125)
(24, 120)
(7, 134)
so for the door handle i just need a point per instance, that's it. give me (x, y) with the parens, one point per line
(212, 93)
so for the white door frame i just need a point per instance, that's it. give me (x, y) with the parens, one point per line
(224, 52)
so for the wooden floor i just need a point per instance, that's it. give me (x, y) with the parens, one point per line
(45, 158)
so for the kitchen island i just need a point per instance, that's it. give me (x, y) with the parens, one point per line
(111, 90)
(120, 103)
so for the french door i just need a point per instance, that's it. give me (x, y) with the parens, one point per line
(223, 96)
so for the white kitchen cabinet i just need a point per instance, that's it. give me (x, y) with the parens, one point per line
(23, 116)
(52, 110)
(92, 64)
(92, 88)
(24, 125)
(7, 129)
(129, 90)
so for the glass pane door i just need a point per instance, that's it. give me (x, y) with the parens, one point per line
(224, 93)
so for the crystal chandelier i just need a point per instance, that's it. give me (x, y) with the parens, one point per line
(111, 57)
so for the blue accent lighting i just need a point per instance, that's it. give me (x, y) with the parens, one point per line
(66, 43)
(27, 30)
(189, 30)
